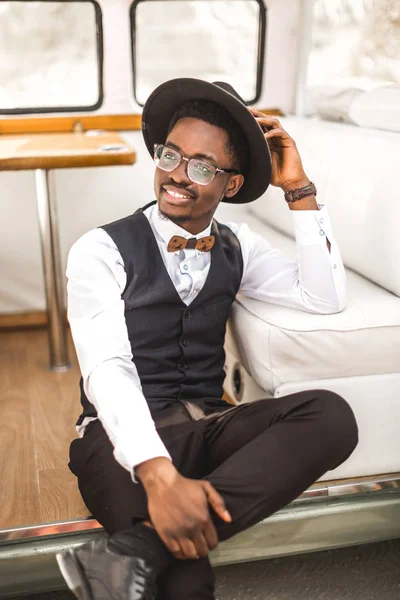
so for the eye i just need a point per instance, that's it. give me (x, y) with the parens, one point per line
(203, 169)
(169, 156)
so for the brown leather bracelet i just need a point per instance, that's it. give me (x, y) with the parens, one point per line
(299, 193)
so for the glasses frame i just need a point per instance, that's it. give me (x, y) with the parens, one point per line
(188, 160)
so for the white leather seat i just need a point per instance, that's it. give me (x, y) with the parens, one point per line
(279, 345)
(355, 353)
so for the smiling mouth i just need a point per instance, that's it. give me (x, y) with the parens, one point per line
(176, 195)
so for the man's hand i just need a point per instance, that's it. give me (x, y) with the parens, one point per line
(179, 509)
(287, 168)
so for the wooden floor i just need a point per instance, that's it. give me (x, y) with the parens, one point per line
(38, 410)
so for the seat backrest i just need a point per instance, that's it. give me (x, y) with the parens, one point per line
(356, 171)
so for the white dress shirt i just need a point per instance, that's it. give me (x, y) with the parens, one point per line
(97, 278)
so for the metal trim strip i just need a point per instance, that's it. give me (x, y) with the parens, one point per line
(318, 491)
(48, 529)
(346, 488)
(30, 566)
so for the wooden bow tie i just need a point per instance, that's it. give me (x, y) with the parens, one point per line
(203, 244)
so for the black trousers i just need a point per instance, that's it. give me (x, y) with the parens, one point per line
(259, 457)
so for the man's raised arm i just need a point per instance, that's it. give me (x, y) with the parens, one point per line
(316, 282)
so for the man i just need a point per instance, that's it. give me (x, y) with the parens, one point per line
(163, 463)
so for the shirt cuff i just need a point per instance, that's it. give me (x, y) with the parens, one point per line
(312, 227)
(154, 448)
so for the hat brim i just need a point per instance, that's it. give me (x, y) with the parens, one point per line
(169, 96)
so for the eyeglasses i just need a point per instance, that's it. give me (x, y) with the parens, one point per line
(199, 171)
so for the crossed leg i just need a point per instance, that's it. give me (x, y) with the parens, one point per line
(263, 455)
(258, 456)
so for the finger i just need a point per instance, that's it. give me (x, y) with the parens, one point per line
(278, 133)
(179, 555)
(258, 113)
(255, 112)
(267, 121)
(266, 127)
(217, 502)
(188, 549)
(173, 546)
(280, 137)
(210, 534)
(201, 544)
(270, 121)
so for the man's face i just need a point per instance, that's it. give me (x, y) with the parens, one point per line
(194, 138)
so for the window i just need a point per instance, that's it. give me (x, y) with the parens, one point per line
(50, 56)
(215, 40)
(355, 47)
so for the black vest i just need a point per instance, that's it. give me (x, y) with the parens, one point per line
(178, 350)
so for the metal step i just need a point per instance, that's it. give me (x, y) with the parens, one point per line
(326, 516)
(369, 572)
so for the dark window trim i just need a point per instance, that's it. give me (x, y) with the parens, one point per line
(100, 61)
(260, 56)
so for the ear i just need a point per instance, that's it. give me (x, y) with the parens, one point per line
(234, 184)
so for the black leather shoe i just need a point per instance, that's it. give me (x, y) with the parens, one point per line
(94, 572)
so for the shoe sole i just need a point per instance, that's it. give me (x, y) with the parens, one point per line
(74, 575)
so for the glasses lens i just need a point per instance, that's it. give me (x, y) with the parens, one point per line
(201, 172)
(166, 158)
(158, 148)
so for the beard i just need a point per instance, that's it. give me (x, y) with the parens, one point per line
(175, 218)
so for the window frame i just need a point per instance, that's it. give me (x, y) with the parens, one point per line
(262, 33)
(100, 64)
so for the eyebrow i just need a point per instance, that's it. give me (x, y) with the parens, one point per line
(208, 157)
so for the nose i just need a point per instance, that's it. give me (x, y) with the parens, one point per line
(179, 175)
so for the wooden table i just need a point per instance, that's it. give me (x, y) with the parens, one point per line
(43, 153)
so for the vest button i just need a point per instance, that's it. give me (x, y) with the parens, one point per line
(185, 343)
(188, 314)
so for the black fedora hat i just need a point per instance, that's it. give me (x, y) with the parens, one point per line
(169, 96)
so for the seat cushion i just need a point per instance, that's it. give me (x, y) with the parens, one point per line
(279, 345)
(356, 172)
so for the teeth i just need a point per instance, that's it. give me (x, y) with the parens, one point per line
(175, 195)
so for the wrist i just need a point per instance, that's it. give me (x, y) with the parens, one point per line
(156, 472)
(309, 203)
(300, 194)
(294, 184)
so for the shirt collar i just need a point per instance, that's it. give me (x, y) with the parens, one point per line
(166, 228)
